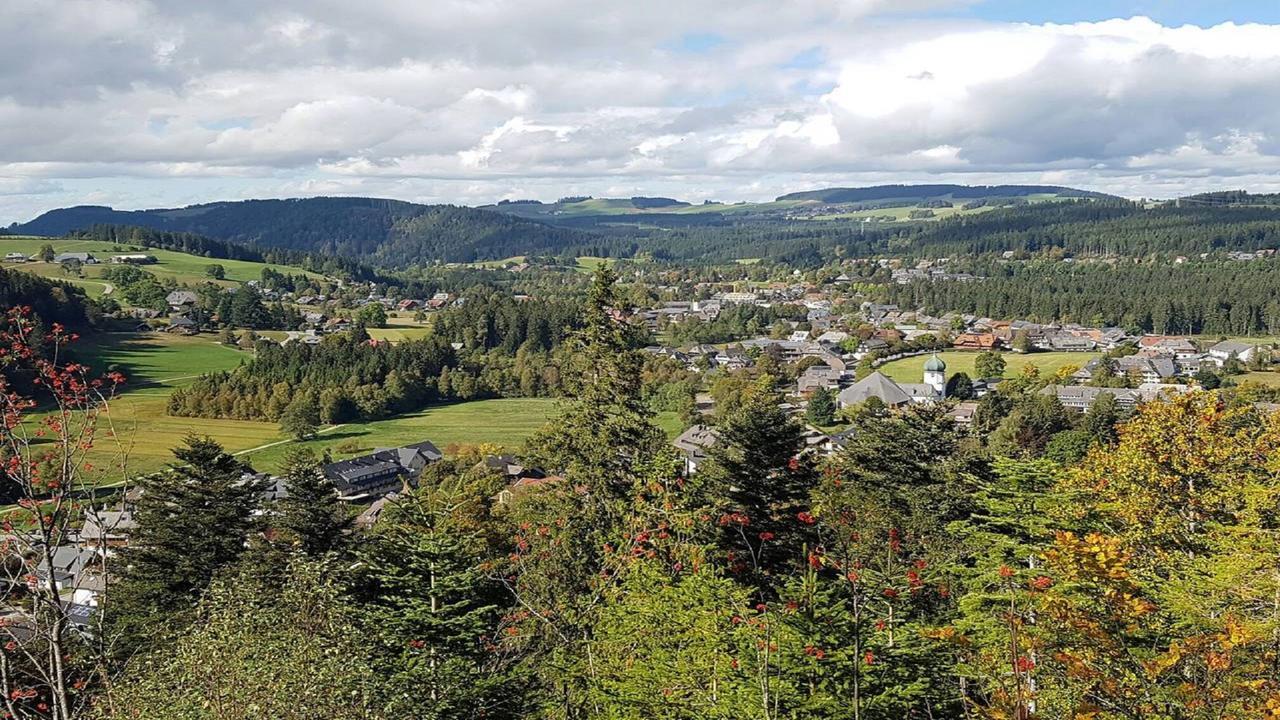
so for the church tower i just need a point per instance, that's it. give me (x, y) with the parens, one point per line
(935, 374)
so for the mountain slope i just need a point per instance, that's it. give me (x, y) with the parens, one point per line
(387, 232)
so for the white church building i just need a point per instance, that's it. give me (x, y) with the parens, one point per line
(894, 394)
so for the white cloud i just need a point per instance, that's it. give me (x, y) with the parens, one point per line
(474, 101)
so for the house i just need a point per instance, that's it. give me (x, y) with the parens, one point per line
(1228, 349)
(15, 257)
(818, 376)
(976, 341)
(69, 563)
(408, 304)
(337, 324)
(1147, 369)
(1081, 398)
(179, 299)
(381, 472)
(1164, 344)
(694, 443)
(182, 325)
(106, 529)
(83, 258)
(133, 259)
(306, 338)
(1067, 342)
(832, 338)
(963, 413)
(894, 394)
(877, 385)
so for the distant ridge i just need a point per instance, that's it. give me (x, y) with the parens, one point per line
(930, 192)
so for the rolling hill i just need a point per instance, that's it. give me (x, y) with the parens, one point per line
(385, 232)
(917, 193)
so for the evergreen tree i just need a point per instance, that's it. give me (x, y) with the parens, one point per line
(959, 387)
(432, 610)
(310, 514)
(192, 521)
(822, 407)
(758, 465)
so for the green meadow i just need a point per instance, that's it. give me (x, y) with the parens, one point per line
(182, 268)
(912, 369)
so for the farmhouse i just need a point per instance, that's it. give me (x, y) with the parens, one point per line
(15, 257)
(179, 299)
(1228, 349)
(381, 472)
(83, 258)
(135, 259)
(694, 443)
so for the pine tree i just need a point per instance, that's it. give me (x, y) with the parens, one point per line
(310, 514)
(192, 521)
(606, 429)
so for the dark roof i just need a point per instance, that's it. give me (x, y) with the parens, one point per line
(382, 470)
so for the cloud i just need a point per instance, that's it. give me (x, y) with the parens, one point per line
(474, 101)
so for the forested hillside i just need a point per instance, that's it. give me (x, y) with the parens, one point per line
(391, 233)
(1212, 298)
(385, 232)
(49, 300)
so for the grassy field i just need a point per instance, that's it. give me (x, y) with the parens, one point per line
(1269, 379)
(504, 422)
(157, 358)
(137, 434)
(912, 369)
(181, 267)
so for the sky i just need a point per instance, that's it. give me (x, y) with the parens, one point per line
(165, 103)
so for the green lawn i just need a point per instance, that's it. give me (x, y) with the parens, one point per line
(912, 369)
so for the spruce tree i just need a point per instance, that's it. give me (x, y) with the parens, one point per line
(310, 515)
(758, 464)
(193, 521)
(429, 608)
(822, 407)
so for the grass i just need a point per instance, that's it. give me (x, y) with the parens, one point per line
(590, 264)
(505, 423)
(157, 358)
(912, 369)
(1270, 379)
(181, 267)
(137, 435)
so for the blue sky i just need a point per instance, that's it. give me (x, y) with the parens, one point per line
(1204, 13)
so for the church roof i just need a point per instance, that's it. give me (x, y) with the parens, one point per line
(877, 385)
(934, 364)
